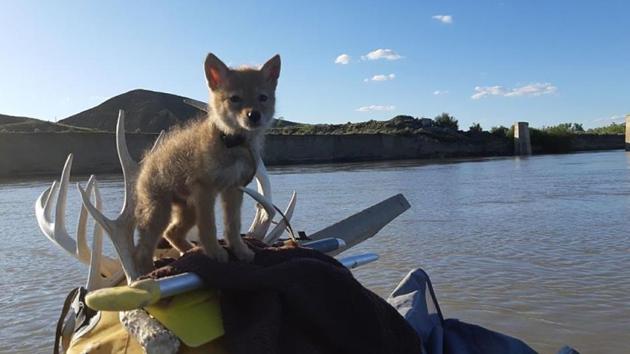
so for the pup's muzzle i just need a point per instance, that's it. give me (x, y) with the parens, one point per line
(253, 117)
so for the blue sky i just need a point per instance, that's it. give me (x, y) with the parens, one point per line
(492, 62)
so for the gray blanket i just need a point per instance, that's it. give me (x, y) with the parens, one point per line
(416, 302)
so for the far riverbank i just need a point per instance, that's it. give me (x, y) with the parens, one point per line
(40, 154)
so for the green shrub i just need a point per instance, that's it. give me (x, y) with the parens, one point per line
(475, 128)
(564, 128)
(501, 131)
(445, 120)
(613, 128)
(551, 139)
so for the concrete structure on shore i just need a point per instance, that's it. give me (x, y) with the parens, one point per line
(31, 154)
(44, 153)
(627, 132)
(522, 142)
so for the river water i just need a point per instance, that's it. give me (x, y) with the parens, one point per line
(537, 248)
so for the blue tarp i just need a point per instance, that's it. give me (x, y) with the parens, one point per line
(416, 302)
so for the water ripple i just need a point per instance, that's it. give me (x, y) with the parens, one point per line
(537, 247)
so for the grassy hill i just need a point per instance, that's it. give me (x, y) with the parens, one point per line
(151, 111)
(146, 111)
(399, 125)
(13, 124)
(5, 119)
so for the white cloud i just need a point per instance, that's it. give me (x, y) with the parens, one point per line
(377, 54)
(343, 59)
(374, 108)
(448, 19)
(483, 91)
(440, 92)
(381, 77)
(535, 89)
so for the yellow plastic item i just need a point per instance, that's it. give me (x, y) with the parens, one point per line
(109, 336)
(124, 298)
(194, 317)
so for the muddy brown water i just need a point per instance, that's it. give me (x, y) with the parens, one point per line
(537, 248)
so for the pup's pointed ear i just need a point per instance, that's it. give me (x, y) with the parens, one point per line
(271, 69)
(216, 71)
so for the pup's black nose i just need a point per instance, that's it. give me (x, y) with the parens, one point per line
(253, 116)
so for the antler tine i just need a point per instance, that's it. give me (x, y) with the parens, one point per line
(103, 221)
(83, 250)
(48, 196)
(97, 280)
(129, 166)
(106, 266)
(261, 199)
(121, 237)
(202, 106)
(158, 140)
(262, 219)
(43, 209)
(60, 234)
(120, 230)
(277, 231)
(56, 231)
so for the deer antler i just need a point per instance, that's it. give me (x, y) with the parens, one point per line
(151, 334)
(96, 280)
(158, 140)
(120, 230)
(103, 271)
(277, 231)
(56, 230)
(262, 219)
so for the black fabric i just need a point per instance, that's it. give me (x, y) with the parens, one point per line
(296, 300)
(62, 317)
(83, 314)
(75, 301)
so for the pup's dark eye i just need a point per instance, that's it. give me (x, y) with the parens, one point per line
(263, 98)
(235, 99)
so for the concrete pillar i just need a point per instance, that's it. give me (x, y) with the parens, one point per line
(522, 143)
(628, 132)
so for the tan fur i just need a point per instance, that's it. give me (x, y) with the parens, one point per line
(180, 180)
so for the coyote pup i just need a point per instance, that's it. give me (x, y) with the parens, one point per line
(180, 180)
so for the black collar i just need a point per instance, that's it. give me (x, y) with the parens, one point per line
(231, 141)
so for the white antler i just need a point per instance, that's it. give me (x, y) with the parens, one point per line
(97, 280)
(265, 210)
(120, 230)
(277, 231)
(56, 230)
(150, 334)
(264, 216)
(103, 271)
(202, 106)
(158, 140)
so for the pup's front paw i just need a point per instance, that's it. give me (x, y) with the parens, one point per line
(219, 254)
(243, 253)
